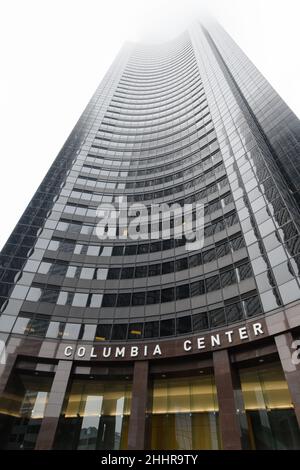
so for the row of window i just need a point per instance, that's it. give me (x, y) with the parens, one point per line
(153, 66)
(182, 139)
(159, 60)
(153, 128)
(144, 145)
(138, 271)
(146, 84)
(209, 190)
(115, 110)
(160, 137)
(158, 117)
(159, 97)
(90, 229)
(155, 70)
(133, 330)
(138, 98)
(68, 246)
(174, 226)
(171, 155)
(148, 54)
(159, 103)
(203, 165)
(198, 120)
(204, 178)
(160, 120)
(159, 83)
(179, 157)
(126, 299)
(85, 211)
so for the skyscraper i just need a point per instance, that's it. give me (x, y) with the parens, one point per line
(115, 342)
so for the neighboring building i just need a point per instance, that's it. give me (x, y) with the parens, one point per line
(119, 344)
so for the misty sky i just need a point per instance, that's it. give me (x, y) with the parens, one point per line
(55, 52)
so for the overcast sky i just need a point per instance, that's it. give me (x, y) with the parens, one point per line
(55, 52)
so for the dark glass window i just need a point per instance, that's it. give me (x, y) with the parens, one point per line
(209, 255)
(156, 246)
(58, 269)
(113, 273)
(168, 244)
(183, 325)
(197, 288)
(195, 260)
(209, 230)
(182, 292)
(293, 245)
(49, 295)
(38, 327)
(220, 225)
(127, 273)
(245, 271)
(234, 312)
(200, 321)
(167, 327)
(151, 329)
(167, 295)
(222, 250)
(178, 242)
(217, 317)
(228, 278)
(154, 269)
(289, 230)
(142, 249)
(118, 250)
(140, 271)
(103, 332)
(130, 250)
(119, 331)
(138, 298)
(181, 264)
(109, 300)
(67, 247)
(153, 297)
(237, 243)
(123, 300)
(135, 331)
(252, 306)
(212, 283)
(168, 267)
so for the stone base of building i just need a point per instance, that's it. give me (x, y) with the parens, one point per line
(242, 396)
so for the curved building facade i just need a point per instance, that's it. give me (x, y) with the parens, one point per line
(122, 343)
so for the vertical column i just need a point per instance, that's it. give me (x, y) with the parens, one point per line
(53, 408)
(137, 420)
(291, 370)
(229, 425)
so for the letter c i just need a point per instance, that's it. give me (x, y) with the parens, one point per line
(187, 345)
(68, 351)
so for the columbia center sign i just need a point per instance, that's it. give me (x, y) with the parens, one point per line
(167, 348)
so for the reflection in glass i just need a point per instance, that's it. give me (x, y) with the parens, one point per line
(95, 415)
(22, 410)
(272, 423)
(184, 414)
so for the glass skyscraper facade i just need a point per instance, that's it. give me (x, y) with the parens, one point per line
(109, 342)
